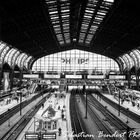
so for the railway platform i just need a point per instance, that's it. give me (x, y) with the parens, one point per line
(43, 123)
(126, 119)
(7, 125)
(9, 103)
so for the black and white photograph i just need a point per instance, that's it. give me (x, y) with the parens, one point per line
(69, 69)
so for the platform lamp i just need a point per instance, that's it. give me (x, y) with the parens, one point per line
(119, 102)
(89, 73)
(20, 93)
(84, 92)
(127, 129)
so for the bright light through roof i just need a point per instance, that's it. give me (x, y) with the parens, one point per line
(109, 1)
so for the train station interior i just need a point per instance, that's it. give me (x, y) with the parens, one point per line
(69, 70)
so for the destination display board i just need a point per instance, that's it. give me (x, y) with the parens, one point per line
(51, 76)
(48, 136)
(31, 136)
(116, 77)
(31, 76)
(73, 76)
(95, 77)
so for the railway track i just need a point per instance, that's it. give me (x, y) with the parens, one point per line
(9, 113)
(111, 118)
(123, 110)
(119, 125)
(78, 127)
(15, 131)
(100, 123)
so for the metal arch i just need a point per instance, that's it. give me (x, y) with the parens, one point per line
(8, 56)
(132, 63)
(2, 52)
(124, 62)
(120, 63)
(30, 63)
(34, 62)
(127, 61)
(27, 61)
(5, 55)
(14, 63)
(138, 51)
(23, 60)
(18, 58)
(2, 49)
(13, 56)
(135, 63)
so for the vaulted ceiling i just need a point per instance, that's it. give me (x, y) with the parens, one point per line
(43, 27)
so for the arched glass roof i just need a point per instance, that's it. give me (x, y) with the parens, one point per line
(134, 57)
(59, 17)
(19, 59)
(93, 18)
(131, 59)
(23, 60)
(15, 57)
(75, 60)
(3, 53)
(9, 56)
(12, 56)
(27, 60)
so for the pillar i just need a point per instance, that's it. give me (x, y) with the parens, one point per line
(129, 78)
(11, 79)
(137, 79)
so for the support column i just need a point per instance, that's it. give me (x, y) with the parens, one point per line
(11, 79)
(129, 78)
(137, 79)
(20, 78)
(0, 54)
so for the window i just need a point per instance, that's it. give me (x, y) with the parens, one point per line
(74, 60)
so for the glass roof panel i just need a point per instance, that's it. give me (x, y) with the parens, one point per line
(19, 59)
(95, 16)
(9, 56)
(124, 62)
(15, 57)
(27, 61)
(60, 20)
(133, 55)
(3, 53)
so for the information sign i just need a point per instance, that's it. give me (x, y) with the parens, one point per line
(95, 76)
(74, 76)
(51, 76)
(116, 77)
(31, 76)
(31, 136)
(48, 136)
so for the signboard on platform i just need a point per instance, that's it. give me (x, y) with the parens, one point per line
(31, 76)
(95, 77)
(6, 81)
(74, 76)
(48, 136)
(51, 76)
(31, 136)
(116, 77)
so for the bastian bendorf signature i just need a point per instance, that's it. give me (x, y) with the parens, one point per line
(101, 134)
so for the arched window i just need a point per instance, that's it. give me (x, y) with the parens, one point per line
(75, 60)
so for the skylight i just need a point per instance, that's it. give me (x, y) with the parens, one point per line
(59, 15)
(95, 13)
